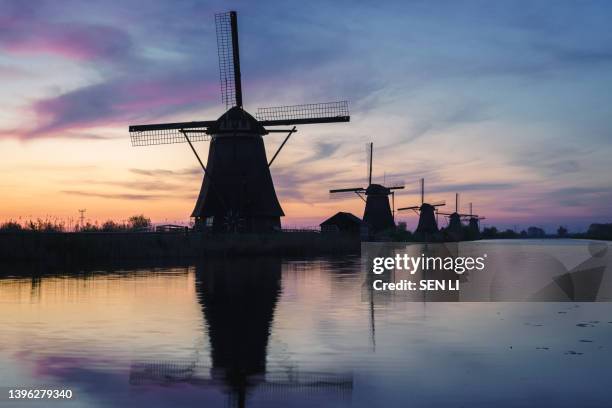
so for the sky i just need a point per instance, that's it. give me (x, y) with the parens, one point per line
(507, 103)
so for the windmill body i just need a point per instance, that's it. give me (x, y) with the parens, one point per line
(427, 220)
(377, 213)
(454, 223)
(237, 193)
(474, 226)
(428, 225)
(455, 226)
(473, 230)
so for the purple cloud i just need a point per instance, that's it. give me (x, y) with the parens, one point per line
(75, 41)
(116, 102)
(22, 31)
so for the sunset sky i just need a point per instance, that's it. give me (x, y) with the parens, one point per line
(508, 103)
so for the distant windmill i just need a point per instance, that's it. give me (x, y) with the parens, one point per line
(377, 214)
(454, 220)
(428, 224)
(237, 193)
(474, 223)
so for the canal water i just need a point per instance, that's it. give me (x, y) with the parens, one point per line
(265, 332)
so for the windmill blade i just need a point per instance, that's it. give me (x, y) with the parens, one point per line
(438, 203)
(369, 153)
(352, 190)
(166, 133)
(422, 181)
(414, 207)
(345, 193)
(229, 58)
(457, 202)
(327, 112)
(396, 185)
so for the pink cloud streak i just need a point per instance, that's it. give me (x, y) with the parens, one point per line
(75, 41)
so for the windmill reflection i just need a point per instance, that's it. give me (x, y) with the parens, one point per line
(238, 298)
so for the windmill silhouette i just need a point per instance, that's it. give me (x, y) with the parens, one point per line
(474, 224)
(454, 218)
(428, 223)
(378, 215)
(237, 193)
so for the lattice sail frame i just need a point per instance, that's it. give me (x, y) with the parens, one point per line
(167, 136)
(337, 109)
(368, 151)
(225, 50)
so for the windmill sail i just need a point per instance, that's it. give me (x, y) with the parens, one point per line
(326, 112)
(369, 153)
(229, 58)
(167, 133)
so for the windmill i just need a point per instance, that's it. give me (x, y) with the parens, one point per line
(377, 214)
(474, 224)
(454, 219)
(237, 193)
(428, 223)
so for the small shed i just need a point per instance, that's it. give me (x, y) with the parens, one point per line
(343, 222)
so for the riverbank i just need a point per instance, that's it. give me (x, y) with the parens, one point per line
(60, 246)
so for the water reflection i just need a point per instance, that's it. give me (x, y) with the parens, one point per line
(238, 299)
(293, 332)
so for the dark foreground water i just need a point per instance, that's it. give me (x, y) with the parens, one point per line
(289, 333)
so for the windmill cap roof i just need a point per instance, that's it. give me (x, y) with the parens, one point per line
(237, 120)
(377, 189)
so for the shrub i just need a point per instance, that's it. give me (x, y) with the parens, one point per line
(11, 226)
(139, 223)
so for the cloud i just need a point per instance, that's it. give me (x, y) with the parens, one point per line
(189, 172)
(82, 42)
(146, 185)
(118, 196)
(551, 160)
(322, 150)
(12, 72)
(461, 187)
(25, 31)
(584, 197)
(117, 102)
(303, 186)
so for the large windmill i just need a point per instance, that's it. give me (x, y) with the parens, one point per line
(377, 214)
(237, 193)
(428, 224)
